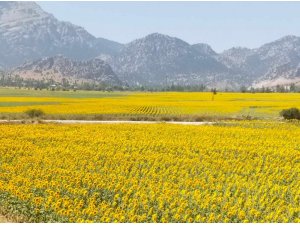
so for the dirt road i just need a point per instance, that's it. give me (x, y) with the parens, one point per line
(109, 122)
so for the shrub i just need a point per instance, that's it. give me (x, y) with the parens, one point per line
(33, 113)
(290, 114)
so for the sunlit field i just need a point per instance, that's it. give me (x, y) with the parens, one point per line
(231, 172)
(131, 105)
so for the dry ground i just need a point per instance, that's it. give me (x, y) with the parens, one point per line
(103, 122)
(3, 219)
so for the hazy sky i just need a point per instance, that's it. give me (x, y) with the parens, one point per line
(220, 24)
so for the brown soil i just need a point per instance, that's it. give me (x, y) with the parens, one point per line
(3, 219)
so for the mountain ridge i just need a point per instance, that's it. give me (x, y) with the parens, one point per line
(29, 34)
(163, 58)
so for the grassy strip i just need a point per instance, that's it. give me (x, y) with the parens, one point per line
(15, 92)
(124, 117)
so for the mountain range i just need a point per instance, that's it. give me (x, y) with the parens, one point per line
(36, 45)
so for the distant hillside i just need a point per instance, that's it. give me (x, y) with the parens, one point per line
(61, 69)
(28, 33)
(159, 59)
(275, 63)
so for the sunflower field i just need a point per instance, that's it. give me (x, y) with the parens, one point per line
(118, 105)
(227, 172)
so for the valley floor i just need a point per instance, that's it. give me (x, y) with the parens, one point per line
(16, 104)
(128, 157)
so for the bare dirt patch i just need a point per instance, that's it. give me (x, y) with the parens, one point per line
(3, 219)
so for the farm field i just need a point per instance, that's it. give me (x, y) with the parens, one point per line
(92, 105)
(227, 172)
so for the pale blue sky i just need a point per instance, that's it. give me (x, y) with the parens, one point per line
(220, 24)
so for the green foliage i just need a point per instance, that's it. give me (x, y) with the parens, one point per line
(34, 113)
(289, 114)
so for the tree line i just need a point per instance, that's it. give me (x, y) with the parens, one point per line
(291, 88)
(7, 80)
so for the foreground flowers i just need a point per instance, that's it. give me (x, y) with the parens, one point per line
(243, 172)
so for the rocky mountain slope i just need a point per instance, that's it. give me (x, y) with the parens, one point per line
(162, 60)
(269, 65)
(61, 69)
(279, 61)
(28, 33)
(159, 59)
